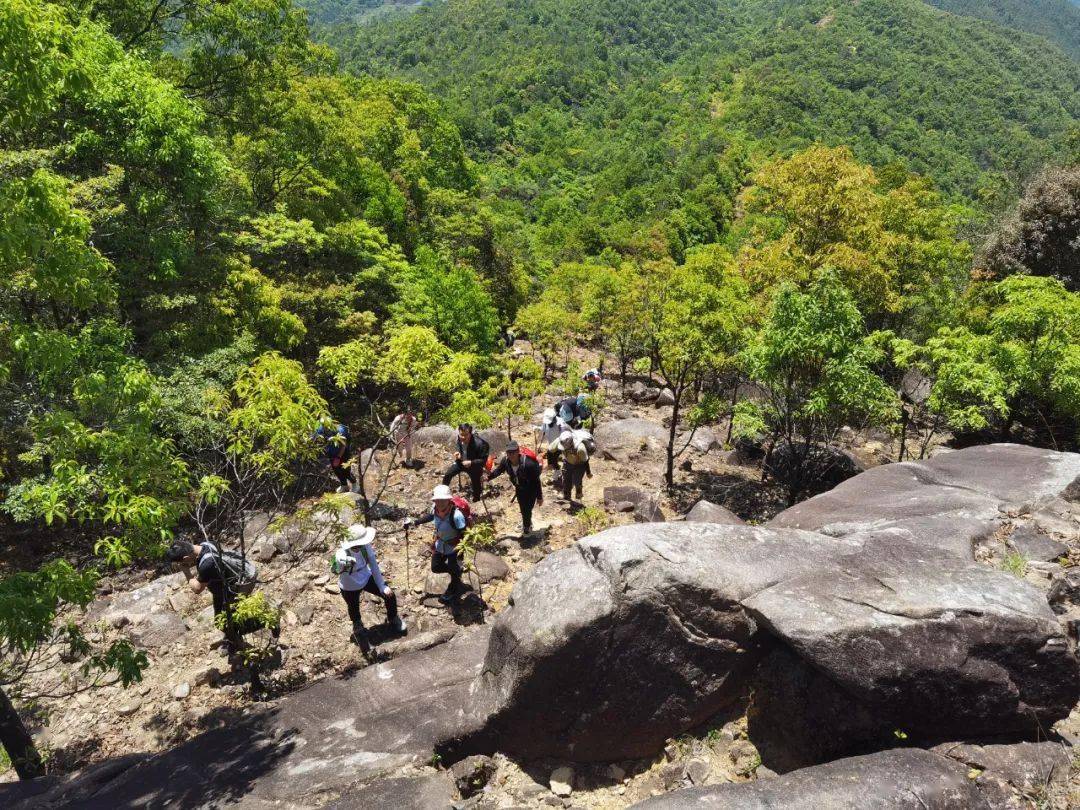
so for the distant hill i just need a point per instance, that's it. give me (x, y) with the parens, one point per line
(952, 97)
(1057, 20)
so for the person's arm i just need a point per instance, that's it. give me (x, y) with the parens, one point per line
(376, 574)
(427, 518)
(195, 585)
(500, 468)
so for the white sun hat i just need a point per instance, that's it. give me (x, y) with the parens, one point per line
(360, 535)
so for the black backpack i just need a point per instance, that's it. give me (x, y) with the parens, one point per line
(238, 574)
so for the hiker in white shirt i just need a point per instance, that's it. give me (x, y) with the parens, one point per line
(358, 571)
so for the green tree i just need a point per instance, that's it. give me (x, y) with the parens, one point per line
(695, 320)
(815, 365)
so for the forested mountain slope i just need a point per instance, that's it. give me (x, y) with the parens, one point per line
(1057, 20)
(572, 102)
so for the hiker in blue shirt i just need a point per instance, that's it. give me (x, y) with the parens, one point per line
(450, 525)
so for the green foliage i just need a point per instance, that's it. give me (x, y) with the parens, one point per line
(592, 519)
(550, 330)
(815, 363)
(1014, 563)
(254, 609)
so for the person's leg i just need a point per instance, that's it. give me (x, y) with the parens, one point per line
(359, 632)
(408, 449)
(342, 473)
(567, 480)
(476, 475)
(451, 471)
(526, 502)
(390, 601)
(577, 474)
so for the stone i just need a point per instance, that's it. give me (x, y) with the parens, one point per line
(671, 774)
(205, 676)
(615, 773)
(624, 506)
(129, 708)
(947, 503)
(181, 690)
(705, 441)
(444, 435)
(744, 756)
(569, 672)
(706, 512)
(490, 566)
(624, 438)
(698, 770)
(649, 511)
(295, 585)
(264, 550)
(401, 793)
(623, 494)
(825, 466)
(436, 584)
(562, 781)
(665, 399)
(156, 630)
(305, 613)
(331, 587)
(894, 637)
(255, 524)
(1032, 544)
(1025, 765)
(1065, 591)
(472, 774)
(1071, 492)
(137, 603)
(898, 780)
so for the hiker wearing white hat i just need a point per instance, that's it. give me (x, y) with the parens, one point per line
(358, 570)
(576, 456)
(452, 516)
(548, 431)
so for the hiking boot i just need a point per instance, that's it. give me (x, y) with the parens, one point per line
(578, 495)
(360, 638)
(343, 489)
(397, 625)
(452, 592)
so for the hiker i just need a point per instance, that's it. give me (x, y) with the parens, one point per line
(221, 574)
(574, 410)
(401, 431)
(358, 570)
(548, 431)
(338, 452)
(592, 379)
(451, 519)
(524, 471)
(575, 455)
(471, 458)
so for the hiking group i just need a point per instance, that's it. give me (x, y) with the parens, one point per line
(567, 449)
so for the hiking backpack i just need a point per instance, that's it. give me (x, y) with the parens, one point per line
(238, 574)
(462, 506)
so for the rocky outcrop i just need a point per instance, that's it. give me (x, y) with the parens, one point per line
(624, 438)
(900, 779)
(948, 502)
(632, 636)
(706, 512)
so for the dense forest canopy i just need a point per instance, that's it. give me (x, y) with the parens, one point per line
(1056, 20)
(212, 237)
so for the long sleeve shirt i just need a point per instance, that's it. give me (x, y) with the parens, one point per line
(525, 477)
(577, 454)
(364, 567)
(448, 530)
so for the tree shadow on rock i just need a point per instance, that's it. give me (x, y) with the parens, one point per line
(748, 497)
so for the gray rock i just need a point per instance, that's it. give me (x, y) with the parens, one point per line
(649, 511)
(698, 770)
(624, 506)
(1065, 591)
(946, 503)
(135, 603)
(706, 512)
(705, 441)
(902, 779)
(401, 793)
(905, 638)
(562, 781)
(1032, 544)
(181, 690)
(1071, 492)
(666, 398)
(129, 708)
(444, 435)
(471, 774)
(490, 566)
(624, 438)
(623, 494)
(1025, 765)
(304, 613)
(572, 673)
(156, 630)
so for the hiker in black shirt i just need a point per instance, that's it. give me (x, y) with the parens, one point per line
(216, 576)
(524, 472)
(471, 458)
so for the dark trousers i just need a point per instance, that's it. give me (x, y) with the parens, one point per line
(475, 471)
(352, 602)
(573, 475)
(447, 564)
(526, 502)
(344, 472)
(223, 599)
(552, 459)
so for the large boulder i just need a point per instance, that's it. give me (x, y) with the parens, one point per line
(444, 435)
(622, 439)
(632, 636)
(948, 502)
(902, 779)
(323, 740)
(818, 468)
(898, 637)
(706, 512)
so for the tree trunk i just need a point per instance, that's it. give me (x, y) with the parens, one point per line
(17, 742)
(669, 475)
